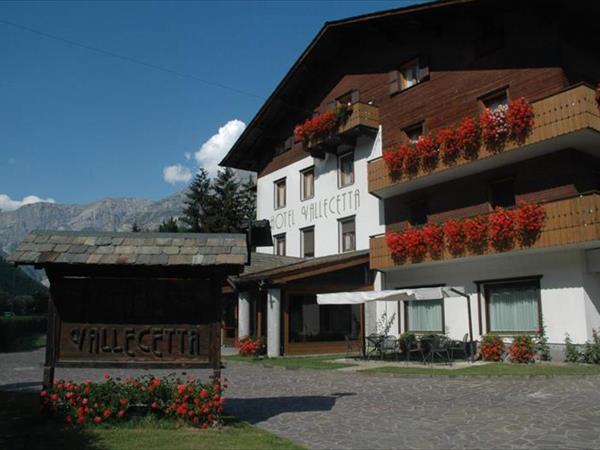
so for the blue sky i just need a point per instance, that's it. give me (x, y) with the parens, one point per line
(76, 125)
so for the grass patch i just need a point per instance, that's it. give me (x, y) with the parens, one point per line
(22, 427)
(27, 343)
(493, 369)
(294, 362)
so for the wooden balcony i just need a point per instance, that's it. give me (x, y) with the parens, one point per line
(569, 222)
(362, 120)
(569, 118)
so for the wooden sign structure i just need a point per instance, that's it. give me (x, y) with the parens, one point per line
(148, 300)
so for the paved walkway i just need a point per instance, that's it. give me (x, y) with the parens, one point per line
(325, 409)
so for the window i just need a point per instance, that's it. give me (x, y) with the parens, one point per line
(513, 307)
(493, 101)
(408, 75)
(280, 194)
(418, 213)
(307, 187)
(346, 170)
(347, 234)
(502, 193)
(349, 98)
(279, 244)
(413, 133)
(307, 236)
(425, 316)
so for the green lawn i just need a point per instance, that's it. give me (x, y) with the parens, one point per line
(22, 427)
(294, 362)
(493, 369)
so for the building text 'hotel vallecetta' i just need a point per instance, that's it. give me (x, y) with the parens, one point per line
(444, 123)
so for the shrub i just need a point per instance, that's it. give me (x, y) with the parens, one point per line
(542, 347)
(492, 347)
(454, 233)
(572, 353)
(251, 347)
(522, 349)
(15, 327)
(519, 118)
(591, 350)
(112, 400)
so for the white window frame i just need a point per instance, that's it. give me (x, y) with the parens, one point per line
(276, 202)
(302, 231)
(341, 236)
(276, 240)
(340, 176)
(303, 196)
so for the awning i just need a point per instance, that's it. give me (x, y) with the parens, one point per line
(357, 298)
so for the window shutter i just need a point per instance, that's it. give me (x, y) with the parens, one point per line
(423, 68)
(394, 82)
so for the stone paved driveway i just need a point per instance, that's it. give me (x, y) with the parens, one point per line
(324, 409)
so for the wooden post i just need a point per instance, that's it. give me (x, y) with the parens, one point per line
(51, 332)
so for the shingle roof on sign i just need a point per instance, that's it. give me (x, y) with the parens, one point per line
(146, 249)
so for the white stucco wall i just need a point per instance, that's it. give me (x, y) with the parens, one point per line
(329, 203)
(570, 296)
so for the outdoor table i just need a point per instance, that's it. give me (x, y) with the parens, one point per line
(376, 340)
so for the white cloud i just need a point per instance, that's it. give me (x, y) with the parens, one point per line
(177, 174)
(210, 154)
(187, 155)
(8, 204)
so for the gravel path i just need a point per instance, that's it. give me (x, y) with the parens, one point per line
(328, 409)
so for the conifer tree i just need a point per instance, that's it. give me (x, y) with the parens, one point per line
(197, 202)
(248, 200)
(168, 226)
(225, 214)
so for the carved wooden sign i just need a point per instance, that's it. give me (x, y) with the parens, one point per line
(134, 343)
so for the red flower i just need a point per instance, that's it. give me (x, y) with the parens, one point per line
(181, 388)
(154, 405)
(492, 347)
(414, 241)
(410, 159)
(203, 393)
(321, 125)
(182, 409)
(448, 143)
(520, 119)
(123, 401)
(529, 221)
(428, 151)
(501, 229)
(106, 376)
(97, 420)
(395, 243)
(494, 128)
(121, 413)
(107, 413)
(522, 349)
(468, 136)
(433, 235)
(475, 234)
(44, 394)
(454, 233)
(393, 161)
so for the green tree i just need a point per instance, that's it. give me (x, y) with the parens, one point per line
(168, 226)
(197, 202)
(248, 200)
(225, 214)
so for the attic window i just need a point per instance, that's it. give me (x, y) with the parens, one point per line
(495, 99)
(408, 75)
(413, 133)
(349, 98)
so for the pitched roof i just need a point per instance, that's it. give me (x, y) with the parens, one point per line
(307, 266)
(260, 262)
(242, 154)
(43, 248)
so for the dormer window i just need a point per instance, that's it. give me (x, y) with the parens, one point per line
(348, 99)
(408, 75)
(494, 100)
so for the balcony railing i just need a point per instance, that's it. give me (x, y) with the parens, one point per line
(572, 221)
(362, 120)
(567, 119)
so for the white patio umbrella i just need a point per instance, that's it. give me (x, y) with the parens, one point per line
(434, 293)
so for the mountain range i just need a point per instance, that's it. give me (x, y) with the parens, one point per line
(108, 214)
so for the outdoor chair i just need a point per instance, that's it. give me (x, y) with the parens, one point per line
(389, 345)
(459, 347)
(353, 346)
(416, 348)
(440, 346)
(373, 345)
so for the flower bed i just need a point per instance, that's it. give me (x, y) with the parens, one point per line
(499, 229)
(113, 400)
(494, 129)
(251, 347)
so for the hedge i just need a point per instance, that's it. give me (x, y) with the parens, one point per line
(15, 327)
